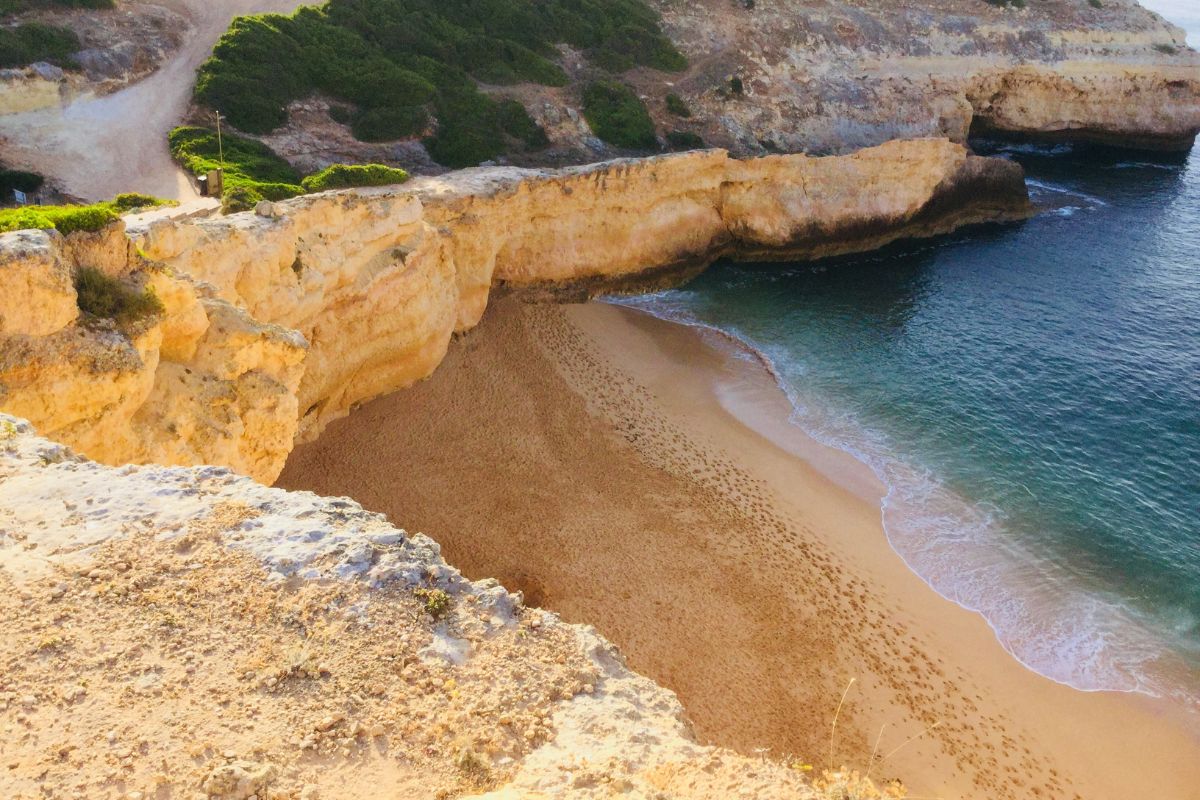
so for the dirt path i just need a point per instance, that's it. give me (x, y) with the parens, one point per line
(96, 147)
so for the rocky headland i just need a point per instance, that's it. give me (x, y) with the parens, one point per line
(277, 321)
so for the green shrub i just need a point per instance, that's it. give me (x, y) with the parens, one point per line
(1169, 49)
(37, 41)
(25, 217)
(99, 295)
(468, 130)
(71, 219)
(395, 59)
(516, 122)
(344, 176)
(65, 219)
(1095, 4)
(684, 140)
(435, 602)
(240, 197)
(618, 116)
(20, 6)
(677, 107)
(389, 124)
(253, 171)
(736, 86)
(132, 201)
(84, 218)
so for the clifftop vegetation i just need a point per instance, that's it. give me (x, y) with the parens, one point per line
(37, 41)
(73, 218)
(412, 67)
(253, 172)
(29, 42)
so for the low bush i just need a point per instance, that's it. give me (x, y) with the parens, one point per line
(473, 128)
(435, 601)
(516, 122)
(677, 107)
(252, 171)
(99, 295)
(21, 6)
(684, 140)
(389, 124)
(241, 197)
(37, 41)
(618, 116)
(132, 201)
(345, 176)
(398, 60)
(65, 219)
(71, 219)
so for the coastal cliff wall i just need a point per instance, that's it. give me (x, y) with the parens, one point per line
(833, 78)
(277, 322)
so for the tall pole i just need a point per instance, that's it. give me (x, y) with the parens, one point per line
(220, 146)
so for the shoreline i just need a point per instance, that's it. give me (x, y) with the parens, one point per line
(754, 582)
(864, 480)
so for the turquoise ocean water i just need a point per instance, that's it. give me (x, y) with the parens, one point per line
(1030, 395)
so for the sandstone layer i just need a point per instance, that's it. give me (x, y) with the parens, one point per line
(279, 321)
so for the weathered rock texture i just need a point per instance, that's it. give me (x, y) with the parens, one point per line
(277, 323)
(300, 619)
(832, 77)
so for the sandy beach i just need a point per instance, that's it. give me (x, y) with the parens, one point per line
(642, 477)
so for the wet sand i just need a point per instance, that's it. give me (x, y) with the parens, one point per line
(642, 477)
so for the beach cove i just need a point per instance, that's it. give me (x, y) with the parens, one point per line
(584, 455)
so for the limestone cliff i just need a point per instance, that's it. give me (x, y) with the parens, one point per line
(829, 78)
(277, 322)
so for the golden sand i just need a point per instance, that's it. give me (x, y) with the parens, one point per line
(628, 473)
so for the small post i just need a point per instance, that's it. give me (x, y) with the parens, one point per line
(220, 146)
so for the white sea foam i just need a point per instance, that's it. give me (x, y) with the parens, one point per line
(1037, 187)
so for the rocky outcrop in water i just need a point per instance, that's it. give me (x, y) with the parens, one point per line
(277, 322)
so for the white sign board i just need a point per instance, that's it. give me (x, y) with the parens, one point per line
(21, 197)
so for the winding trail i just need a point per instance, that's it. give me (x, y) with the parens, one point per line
(96, 146)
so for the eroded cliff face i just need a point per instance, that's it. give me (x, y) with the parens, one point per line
(277, 322)
(831, 78)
